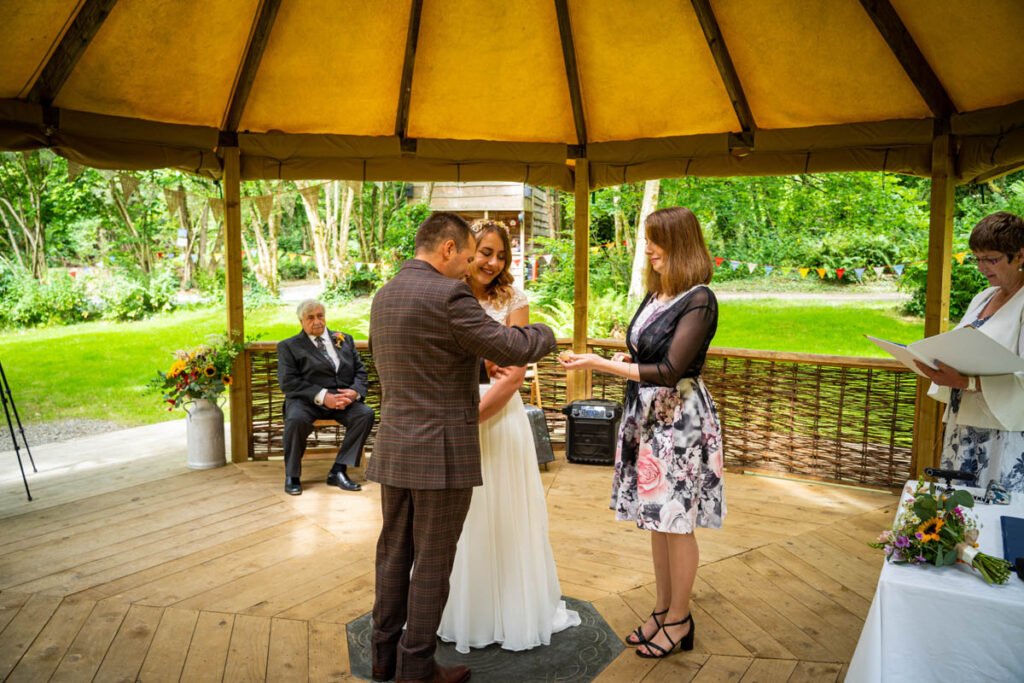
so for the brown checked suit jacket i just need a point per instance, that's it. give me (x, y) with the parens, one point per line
(427, 335)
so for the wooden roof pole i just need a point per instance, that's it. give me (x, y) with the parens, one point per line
(405, 88)
(258, 38)
(241, 427)
(726, 69)
(65, 56)
(579, 380)
(927, 447)
(910, 57)
(572, 77)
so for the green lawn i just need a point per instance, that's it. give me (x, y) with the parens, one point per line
(99, 370)
(811, 327)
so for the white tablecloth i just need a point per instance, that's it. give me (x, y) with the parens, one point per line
(931, 623)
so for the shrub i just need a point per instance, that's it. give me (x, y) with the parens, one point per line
(965, 282)
(26, 302)
(354, 283)
(295, 268)
(137, 296)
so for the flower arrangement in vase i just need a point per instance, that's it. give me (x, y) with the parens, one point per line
(202, 372)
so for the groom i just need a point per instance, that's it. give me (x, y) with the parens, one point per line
(427, 335)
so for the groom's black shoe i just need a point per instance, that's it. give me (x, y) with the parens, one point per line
(341, 480)
(292, 486)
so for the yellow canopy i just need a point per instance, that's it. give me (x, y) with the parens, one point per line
(485, 90)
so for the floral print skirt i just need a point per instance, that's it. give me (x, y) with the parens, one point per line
(675, 485)
(990, 453)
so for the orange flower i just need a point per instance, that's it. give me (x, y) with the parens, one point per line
(226, 379)
(930, 530)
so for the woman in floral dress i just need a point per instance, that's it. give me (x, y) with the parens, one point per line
(668, 468)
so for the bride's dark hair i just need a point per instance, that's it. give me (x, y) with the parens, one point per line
(499, 290)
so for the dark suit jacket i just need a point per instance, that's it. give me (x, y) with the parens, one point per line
(427, 334)
(302, 371)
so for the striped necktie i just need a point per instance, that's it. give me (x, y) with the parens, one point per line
(322, 348)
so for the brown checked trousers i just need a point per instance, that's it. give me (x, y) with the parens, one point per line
(427, 335)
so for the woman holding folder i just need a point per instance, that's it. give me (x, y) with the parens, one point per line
(985, 415)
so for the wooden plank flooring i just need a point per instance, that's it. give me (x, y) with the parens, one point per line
(129, 567)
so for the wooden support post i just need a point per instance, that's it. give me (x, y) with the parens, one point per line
(928, 417)
(239, 392)
(579, 381)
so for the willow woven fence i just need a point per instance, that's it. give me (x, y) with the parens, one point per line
(833, 418)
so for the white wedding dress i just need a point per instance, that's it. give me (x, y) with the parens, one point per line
(504, 586)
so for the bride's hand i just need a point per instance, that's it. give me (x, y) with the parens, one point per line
(621, 357)
(579, 361)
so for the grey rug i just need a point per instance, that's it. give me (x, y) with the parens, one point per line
(576, 654)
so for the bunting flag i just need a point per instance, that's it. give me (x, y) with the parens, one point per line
(129, 184)
(960, 257)
(768, 270)
(804, 271)
(734, 264)
(217, 206)
(74, 170)
(548, 258)
(719, 260)
(859, 272)
(898, 269)
(265, 205)
(312, 196)
(751, 267)
(786, 270)
(839, 273)
(821, 273)
(879, 270)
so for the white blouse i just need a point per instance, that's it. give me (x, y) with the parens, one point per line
(502, 312)
(1000, 403)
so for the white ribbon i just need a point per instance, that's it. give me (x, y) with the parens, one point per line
(966, 553)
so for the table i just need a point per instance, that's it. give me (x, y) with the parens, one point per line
(945, 623)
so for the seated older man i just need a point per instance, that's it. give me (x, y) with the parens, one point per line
(323, 378)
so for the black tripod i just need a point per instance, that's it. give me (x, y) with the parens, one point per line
(5, 394)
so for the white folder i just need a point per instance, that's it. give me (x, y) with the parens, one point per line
(967, 350)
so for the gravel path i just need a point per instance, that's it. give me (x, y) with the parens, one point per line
(59, 430)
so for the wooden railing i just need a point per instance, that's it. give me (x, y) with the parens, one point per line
(832, 418)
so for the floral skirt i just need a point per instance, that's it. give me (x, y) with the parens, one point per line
(990, 453)
(675, 485)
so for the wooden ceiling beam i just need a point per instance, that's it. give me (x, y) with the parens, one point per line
(405, 89)
(65, 56)
(572, 76)
(726, 69)
(910, 57)
(265, 17)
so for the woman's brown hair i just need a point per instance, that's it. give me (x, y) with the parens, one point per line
(687, 259)
(499, 290)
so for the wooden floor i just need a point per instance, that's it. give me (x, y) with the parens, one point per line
(129, 567)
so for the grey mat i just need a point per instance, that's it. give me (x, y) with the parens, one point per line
(576, 654)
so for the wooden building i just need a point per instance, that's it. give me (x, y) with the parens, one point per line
(528, 211)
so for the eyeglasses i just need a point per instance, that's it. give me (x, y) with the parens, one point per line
(971, 258)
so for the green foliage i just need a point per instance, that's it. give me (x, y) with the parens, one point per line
(255, 295)
(134, 296)
(27, 302)
(608, 315)
(965, 282)
(400, 236)
(295, 268)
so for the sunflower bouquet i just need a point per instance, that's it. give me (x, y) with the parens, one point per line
(202, 372)
(936, 530)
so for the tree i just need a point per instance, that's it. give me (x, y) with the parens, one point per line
(24, 180)
(637, 286)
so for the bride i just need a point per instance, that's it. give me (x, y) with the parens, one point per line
(504, 587)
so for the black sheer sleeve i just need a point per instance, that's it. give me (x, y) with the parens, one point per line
(691, 338)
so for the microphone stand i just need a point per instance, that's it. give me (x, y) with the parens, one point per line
(6, 396)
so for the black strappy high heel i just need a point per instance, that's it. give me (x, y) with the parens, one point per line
(685, 643)
(641, 639)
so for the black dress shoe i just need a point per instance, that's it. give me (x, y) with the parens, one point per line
(292, 486)
(341, 480)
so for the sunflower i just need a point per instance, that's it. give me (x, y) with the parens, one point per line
(209, 371)
(226, 379)
(176, 368)
(930, 530)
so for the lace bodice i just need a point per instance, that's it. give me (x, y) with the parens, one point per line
(501, 313)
